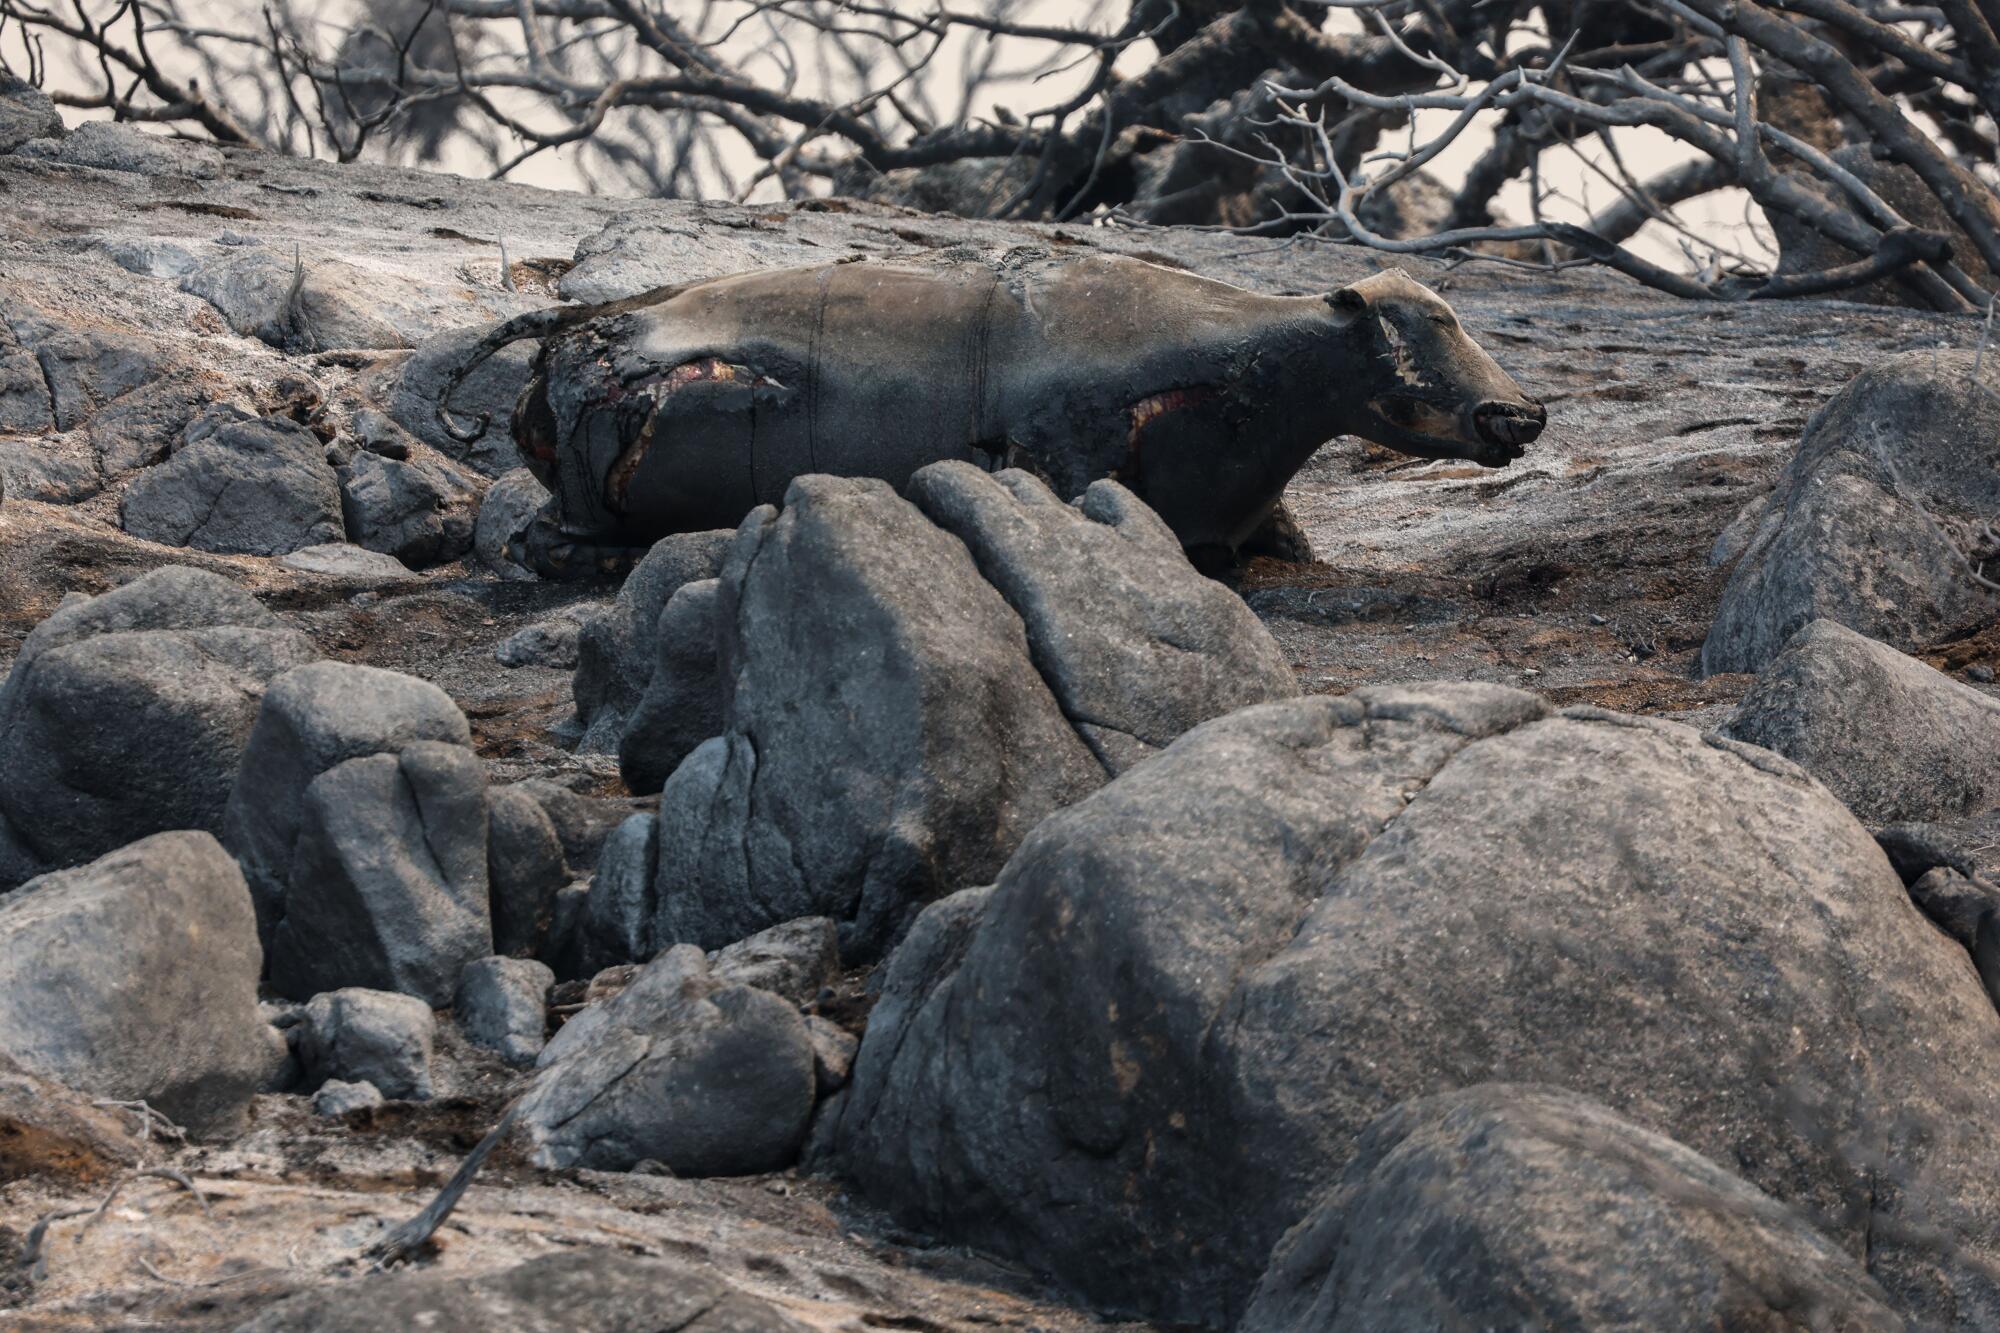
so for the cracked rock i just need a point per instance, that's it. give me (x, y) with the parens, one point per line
(388, 884)
(618, 654)
(419, 511)
(1185, 998)
(908, 688)
(1549, 1209)
(681, 1067)
(258, 487)
(313, 719)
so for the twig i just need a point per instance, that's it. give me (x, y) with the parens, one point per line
(402, 1242)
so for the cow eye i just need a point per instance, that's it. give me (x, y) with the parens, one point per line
(1444, 321)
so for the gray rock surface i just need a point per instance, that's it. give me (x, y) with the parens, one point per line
(337, 1097)
(29, 471)
(619, 922)
(600, 1290)
(491, 389)
(421, 511)
(85, 366)
(25, 404)
(25, 113)
(502, 1005)
(886, 740)
(583, 823)
(1508, 1206)
(553, 643)
(1876, 520)
(834, 1049)
(793, 961)
(1955, 902)
(358, 1035)
(248, 488)
(682, 705)
(113, 147)
(135, 978)
(345, 560)
(1135, 644)
(1895, 739)
(1136, 1060)
(709, 1078)
(127, 714)
(313, 719)
(524, 867)
(617, 654)
(308, 303)
(138, 429)
(388, 885)
(511, 503)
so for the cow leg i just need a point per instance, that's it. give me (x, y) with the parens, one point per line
(1279, 537)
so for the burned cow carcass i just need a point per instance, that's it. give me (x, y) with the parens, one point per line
(684, 408)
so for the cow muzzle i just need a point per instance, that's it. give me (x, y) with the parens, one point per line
(1507, 429)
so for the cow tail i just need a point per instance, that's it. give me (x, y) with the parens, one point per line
(535, 324)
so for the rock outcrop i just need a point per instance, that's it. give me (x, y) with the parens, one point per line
(1137, 1059)
(707, 1077)
(908, 688)
(1878, 521)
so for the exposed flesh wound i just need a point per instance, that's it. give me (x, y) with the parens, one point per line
(1148, 410)
(655, 390)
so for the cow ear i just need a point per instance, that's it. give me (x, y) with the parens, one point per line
(1348, 304)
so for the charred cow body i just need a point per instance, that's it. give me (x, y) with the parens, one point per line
(685, 408)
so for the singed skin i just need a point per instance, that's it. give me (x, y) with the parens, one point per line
(684, 412)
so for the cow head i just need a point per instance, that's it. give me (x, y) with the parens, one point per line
(1426, 388)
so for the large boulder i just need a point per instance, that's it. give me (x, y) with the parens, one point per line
(259, 487)
(388, 886)
(1879, 520)
(525, 868)
(1135, 644)
(503, 1005)
(908, 686)
(602, 1290)
(616, 653)
(680, 1067)
(1529, 1207)
(312, 719)
(1896, 740)
(126, 714)
(886, 739)
(1141, 1056)
(135, 978)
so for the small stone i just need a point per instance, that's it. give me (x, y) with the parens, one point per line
(793, 961)
(336, 1097)
(1980, 672)
(357, 1035)
(502, 1005)
(548, 643)
(344, 560)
